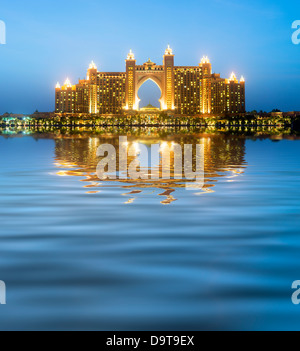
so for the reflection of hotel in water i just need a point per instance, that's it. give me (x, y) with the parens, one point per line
(224, 156)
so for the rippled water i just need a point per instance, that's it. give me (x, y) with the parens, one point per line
(78, 253)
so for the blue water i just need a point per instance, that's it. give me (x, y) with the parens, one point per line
(76, 253)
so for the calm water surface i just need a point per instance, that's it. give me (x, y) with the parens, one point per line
(78, 253)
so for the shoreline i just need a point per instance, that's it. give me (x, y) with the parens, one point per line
(277, 133)
(240, 124)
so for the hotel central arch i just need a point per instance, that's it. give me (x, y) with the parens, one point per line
(150, 74)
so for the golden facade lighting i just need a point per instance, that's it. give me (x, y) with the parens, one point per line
(185, 90)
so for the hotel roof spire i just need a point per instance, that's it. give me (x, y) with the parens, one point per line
(169, 51)
(130, 56)
(205, 59)
(92, 65)
(232, 77)
(68, 83)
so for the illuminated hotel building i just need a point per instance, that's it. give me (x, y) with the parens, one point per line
(185, 90)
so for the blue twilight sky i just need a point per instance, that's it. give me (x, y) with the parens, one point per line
(49, 40)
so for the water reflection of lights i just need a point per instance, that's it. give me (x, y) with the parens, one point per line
(163, 145)
(92, 185)
(125, 143)
(64, 165)
(224, 158)
(62, 174)
(235, 173)
(205, 191)
(136, 147)
(130, 201)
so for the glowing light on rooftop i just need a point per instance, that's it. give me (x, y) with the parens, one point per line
(205, 59)
(233, 77)
(57, 86)
(169, 51)
(92, 65)
(242, 79)
(67, 83)
(130, 56)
